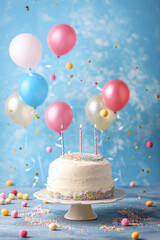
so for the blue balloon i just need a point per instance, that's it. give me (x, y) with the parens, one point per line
(33, 89)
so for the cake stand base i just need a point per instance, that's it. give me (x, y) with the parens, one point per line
(80, 212)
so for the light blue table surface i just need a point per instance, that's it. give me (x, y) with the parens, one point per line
(36, 223)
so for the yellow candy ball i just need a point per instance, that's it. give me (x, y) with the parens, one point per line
(25, 196)
(135, 235)
(11, 196)
(4, 212)
(20, 195)
(45, 201)
(149, 203)
(9, 183)
(69, 65)
(53, 226)
(103, 113)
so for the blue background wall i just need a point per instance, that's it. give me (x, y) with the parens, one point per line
(132, 26)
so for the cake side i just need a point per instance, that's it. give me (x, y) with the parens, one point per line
(80, 177)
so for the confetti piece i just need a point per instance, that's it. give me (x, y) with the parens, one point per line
(149, 157)
(139, 126)
(96, 83)
(37, 174)
(11, 110)
(13, 151)
(26, 164)
(27, 8)
(50, 136)
(69, 83)
(71, 76)
(37, 116)
(144, 191)
(158, 96)
(108, 137)
(128, 133)
(37, 132)
(20, 148)
(147, 171)
(35, 182)
(32, 179)
(56, 4)
(89, 61)
(11, 168)
(142, 170)
(8, 124)
(80, 80)
(116, 119)
(136, 67)
(146, 90)
(132, 158)
(136, 147)
(115, 46)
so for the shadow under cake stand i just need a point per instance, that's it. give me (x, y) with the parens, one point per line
(81, 210)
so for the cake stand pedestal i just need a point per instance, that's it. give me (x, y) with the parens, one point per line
(81, 210)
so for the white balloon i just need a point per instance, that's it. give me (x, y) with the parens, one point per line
(25, 50)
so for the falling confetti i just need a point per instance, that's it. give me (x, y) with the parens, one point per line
(37, 174)
(136, 67)
(116, 119)
(136, 147)
(146, 90)
(96, 83)
(80, 80)
(139, 126)
(20, 148)
(144, 191)
(108, 137)
(71, 76)
(37, 116)
(13, 151)
(147, 171)
(89, 61)
(149, 157)
(11, 110)
(132, 158)
(32, 179)
(26, 164)
(158, 96)
(69, 83)
(128, 133)
(27, 8)
(115, 46)
(56, 3)
(50, 136)
(37, 132)
(7, 124)
(142, 170)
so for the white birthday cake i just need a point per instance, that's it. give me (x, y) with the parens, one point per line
(80, 176)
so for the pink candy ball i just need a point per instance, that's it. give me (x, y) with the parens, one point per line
(23, 233)
(14, 192)
(14, 214)
(53, 77)
(48, 149)
(2, 195)
(125, 222)
(24, 204)
(149, 144)
(15, 87)
(132, 184)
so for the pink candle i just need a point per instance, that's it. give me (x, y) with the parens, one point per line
(95, 137)
(80, 138)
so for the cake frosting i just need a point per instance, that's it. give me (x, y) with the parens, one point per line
(80, 176)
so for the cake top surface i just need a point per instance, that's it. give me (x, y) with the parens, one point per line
(82, 156)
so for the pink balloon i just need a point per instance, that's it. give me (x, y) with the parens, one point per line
(53, 77)
(61, 39)
(149, 144)
(48, 149)
(115, 94)
(57, 114)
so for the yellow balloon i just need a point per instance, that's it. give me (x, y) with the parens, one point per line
(18, 111)
(69, 65)
(103, 113)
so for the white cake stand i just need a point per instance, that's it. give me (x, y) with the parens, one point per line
(80, 210)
